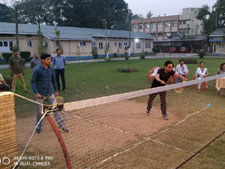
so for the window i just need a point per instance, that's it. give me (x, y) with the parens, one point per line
(82, 43)
(160, 25)
(138, 45)
(5, 44)
(108, 45)
(174, 24)
(221, 45)
(148, 45)
(125, 44)
(100, 45)
(120, 45)
(57, 43)
(135, 27)
(115, 44)
(93, 44)
(1, 44)
(29, 43)
(141, 26)
(168, 34)
(167, 24)
(153, 25)
(147, 26)
(11, 45)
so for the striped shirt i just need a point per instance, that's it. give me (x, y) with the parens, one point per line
(43, 81)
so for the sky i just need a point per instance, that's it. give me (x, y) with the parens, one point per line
(168, 7)
(157, 7)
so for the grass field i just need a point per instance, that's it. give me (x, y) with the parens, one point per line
(90, 80)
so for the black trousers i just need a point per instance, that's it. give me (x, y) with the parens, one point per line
(162, 100)
(60, 72)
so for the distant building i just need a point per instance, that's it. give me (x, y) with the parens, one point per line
(163, 27)
(77, 43)
(217, 41)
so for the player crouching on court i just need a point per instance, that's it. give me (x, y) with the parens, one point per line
(42, 82)
(161, 78)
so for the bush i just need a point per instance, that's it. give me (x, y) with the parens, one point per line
(127, 70)
(25, 55)
(190, 61)
(155, 49)
(126, 56)
(115, 55)
(142, 56)
(94, 53)
(6, 56)
(202, 53)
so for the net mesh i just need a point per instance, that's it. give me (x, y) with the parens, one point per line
(115, 131)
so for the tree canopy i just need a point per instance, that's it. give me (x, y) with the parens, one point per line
(6, 13)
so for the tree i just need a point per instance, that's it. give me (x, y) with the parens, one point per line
(114, 12)
(149, 14)
(207, 18)
(6, 13)
(57, 41)
(220, 13)
(35, 12)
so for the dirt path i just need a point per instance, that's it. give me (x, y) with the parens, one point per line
(96, 132)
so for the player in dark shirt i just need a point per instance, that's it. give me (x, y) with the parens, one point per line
(161, 78)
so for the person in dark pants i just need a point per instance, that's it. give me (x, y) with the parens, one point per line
(161, 78)
(42, 83)
(59, 61)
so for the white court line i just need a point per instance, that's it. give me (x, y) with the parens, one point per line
(150, 138)
(100, 124)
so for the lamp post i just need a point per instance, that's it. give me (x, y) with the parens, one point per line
(129, 34)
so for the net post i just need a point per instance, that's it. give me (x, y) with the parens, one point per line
(8, 137)
(60, 139)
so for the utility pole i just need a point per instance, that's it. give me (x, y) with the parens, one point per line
(17, 27)
(106, 39)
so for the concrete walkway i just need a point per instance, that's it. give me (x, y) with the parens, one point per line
(158, 56)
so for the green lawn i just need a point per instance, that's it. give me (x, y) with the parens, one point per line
(91, 80)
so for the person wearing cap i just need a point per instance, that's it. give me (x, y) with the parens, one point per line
(17, 70)
(42, 82)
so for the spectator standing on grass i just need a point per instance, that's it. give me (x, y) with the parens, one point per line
(161, 78)
(3, 85)
(59, 61)
(201, 72)
(16, 68)
(35, 62)
(42, 82)
(182, 70)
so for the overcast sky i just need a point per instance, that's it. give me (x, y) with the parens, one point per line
(158, 7)
(161, 7)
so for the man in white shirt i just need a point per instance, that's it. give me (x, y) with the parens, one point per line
(182, 70)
